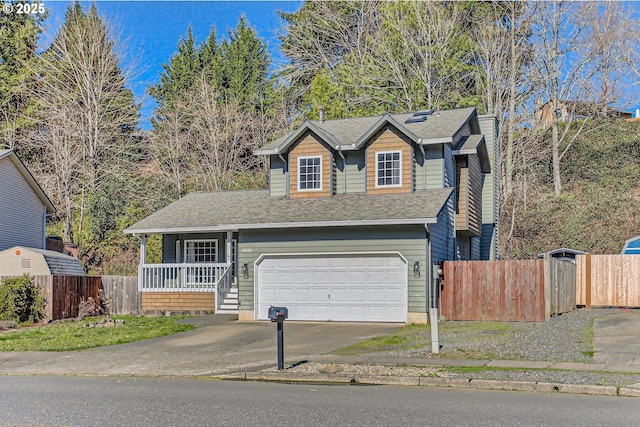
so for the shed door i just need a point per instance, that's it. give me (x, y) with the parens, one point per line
(334, 287)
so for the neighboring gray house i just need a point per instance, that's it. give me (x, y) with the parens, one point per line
(23, 205)
(358, 214)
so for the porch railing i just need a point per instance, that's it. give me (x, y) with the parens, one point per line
(187, 277)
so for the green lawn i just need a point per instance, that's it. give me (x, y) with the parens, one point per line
(418, 336)
(65, 336)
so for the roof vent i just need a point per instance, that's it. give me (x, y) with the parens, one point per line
(423, 113)
(416, 119)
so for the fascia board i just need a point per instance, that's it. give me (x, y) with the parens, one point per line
(434, 141)
(307, 125)
(385, 119)
(271, 225)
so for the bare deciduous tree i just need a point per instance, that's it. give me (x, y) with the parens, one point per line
(320, 34)
(83, 69)
(502, 53)
(206, 143)
(87, 115)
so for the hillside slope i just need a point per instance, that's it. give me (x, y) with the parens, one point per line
(599, 207)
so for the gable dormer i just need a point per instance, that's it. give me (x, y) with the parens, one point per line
(310, 168)
(388, 154)
(389, 162)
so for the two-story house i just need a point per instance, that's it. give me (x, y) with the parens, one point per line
(23, 205)
(358, 214)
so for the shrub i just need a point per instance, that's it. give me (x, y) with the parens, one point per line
(20, 300)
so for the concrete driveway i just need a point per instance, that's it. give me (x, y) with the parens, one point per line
(219, 345)
(616, 341)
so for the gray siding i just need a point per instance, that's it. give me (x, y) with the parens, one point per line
(278, 176)
(351, 172)
(490, 191)
(463, 247)
(354, 174)
(410, 241)
(442, 234)
(429, 169)
(475, 248)
(449, 176)
(169, 245)
(22, 213)
(464, 131)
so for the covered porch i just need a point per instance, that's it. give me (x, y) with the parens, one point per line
(197, 273)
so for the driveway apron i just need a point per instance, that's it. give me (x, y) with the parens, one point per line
(222, 346)
(616, 341)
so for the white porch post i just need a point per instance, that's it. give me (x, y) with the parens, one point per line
(143, 260)
(229, 246)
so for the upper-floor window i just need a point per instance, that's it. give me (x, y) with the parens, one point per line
(310, 173)
(388, 170)
(200, 251)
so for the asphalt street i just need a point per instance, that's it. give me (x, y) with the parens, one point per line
(81, 401)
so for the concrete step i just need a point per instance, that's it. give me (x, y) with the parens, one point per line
(230, 301)
(229, 306)
(227, 311)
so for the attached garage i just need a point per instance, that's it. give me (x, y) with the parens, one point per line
(356, 287)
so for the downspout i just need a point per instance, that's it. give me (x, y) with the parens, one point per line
(286, 183)
(424, 165)
(432, 280)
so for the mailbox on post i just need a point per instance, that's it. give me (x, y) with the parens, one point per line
(277, 315)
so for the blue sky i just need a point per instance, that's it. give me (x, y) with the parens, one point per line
(151, 30)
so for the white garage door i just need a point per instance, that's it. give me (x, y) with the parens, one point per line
(335, 287)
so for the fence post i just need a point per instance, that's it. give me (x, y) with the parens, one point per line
(587, 281)
(547, 286)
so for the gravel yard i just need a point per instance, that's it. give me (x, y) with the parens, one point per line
(565, 338)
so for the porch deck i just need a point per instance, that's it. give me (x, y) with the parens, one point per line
(213, 278)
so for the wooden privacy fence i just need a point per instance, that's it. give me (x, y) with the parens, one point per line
(608, 280)
(121, 294)
(518, 290)
(63, 294)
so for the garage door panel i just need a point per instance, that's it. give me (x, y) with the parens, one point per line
(376, 296)
(394, 296)
(337, 287)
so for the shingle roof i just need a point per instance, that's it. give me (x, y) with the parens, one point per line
(475, 144)
(437, 126)
(232, 210)
(62, 264)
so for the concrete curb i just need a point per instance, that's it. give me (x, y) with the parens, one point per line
(468, 383)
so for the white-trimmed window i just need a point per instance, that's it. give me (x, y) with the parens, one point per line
(201, 251)
(310, 173)
(388, 169)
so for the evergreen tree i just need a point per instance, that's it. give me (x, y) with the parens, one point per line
(18, 42)
(245, 63)
(180, 73)
(209, 57)
(203, 138)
